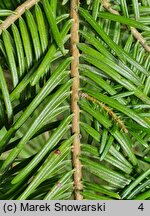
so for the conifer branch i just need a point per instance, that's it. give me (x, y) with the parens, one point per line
(74, 99)
(134, 31)
(17, 13)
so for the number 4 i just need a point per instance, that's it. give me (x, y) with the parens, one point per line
(141, 207)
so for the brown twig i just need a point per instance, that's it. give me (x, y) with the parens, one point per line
(17, 13)
(139, 37)
(74, 99)
(134, 31)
